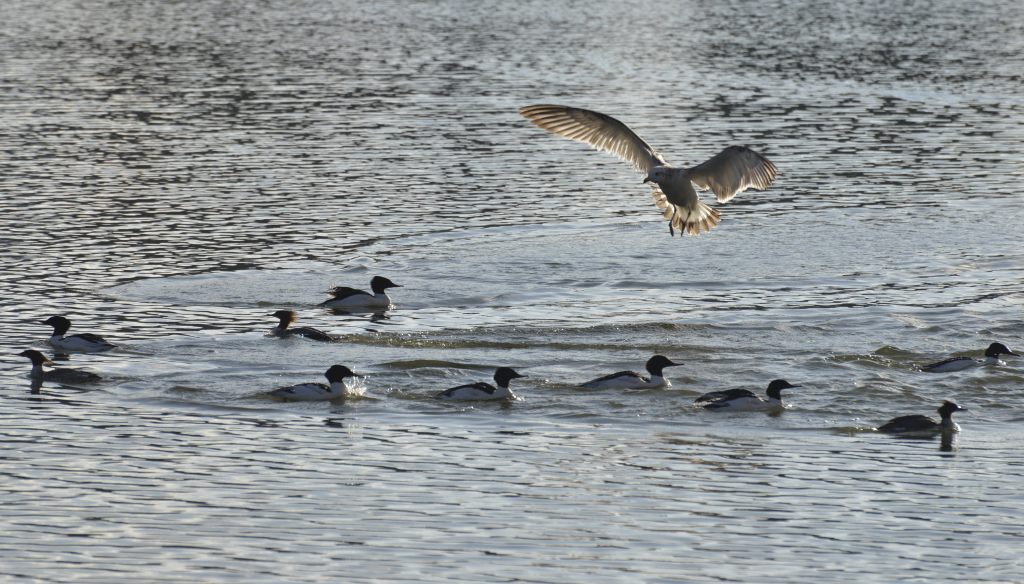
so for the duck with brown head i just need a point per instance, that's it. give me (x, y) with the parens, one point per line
(287, 317)
(919, 426)
(58, 375)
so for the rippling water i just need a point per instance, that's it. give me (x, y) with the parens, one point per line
(174, 172)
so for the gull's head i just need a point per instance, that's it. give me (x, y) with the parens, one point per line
(657, 174)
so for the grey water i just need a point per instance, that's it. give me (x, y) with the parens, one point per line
(174, 172)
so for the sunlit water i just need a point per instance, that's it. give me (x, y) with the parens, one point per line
(172, 173)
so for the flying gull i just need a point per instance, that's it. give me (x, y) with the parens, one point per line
(731, 171)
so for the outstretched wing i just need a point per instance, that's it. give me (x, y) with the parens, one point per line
(733, 170)
(600, 131)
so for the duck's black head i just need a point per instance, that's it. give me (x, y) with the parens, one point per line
(776, 386)
(338, 372)
(947, 408)
(59, 323)
(657, 363)
(36, 357)
(285, 316)
(997, 349)
(379, 284)
(505, 374)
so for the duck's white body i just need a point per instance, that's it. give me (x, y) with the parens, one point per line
(316, 391)
(750, 403)
(361, 300)
(477, 392)
(627, 380)
(960, 364)
(84, 343)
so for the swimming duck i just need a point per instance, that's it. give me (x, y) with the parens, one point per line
(338, 387)
(287, 317)
(345, 297)
(484, 391)
(992, 354)
(743, 400)
(923, 426)
(59, 375)
(84, 342)
(630, 380)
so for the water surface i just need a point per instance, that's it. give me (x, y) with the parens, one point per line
(174, 173)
